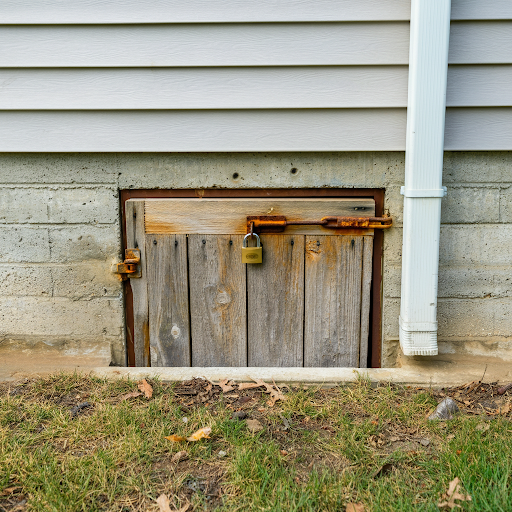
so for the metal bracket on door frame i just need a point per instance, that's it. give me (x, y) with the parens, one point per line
(278, 223)
(130, 268)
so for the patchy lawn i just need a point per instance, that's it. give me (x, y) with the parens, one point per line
(79, 443)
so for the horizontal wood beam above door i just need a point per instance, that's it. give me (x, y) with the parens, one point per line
(229, 216)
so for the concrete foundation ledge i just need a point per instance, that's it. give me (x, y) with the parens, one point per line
(310, 376)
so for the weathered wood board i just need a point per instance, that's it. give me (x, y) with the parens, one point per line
(217, 300)
(135, 239)
(275, 303)
(229, 216)
(169, 327)
(333, 301)
(365, 300)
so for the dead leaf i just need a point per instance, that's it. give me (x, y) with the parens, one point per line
(9, 490)
(482, 427)
(505, 409)
(251, 385)
(163, 503)
(274, 391)
(226, 385)
(175, 439)
(355, 507)
(179, 456)
(274, 397)
(254, 425)
(133, 394)
(453, 494)
(145, 388)
(200, 434)
(376, 440)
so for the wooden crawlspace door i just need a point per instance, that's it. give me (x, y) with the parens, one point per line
(197, 304)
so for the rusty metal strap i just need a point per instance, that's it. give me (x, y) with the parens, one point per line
(278, 223)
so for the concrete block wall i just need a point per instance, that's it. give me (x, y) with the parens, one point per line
(475, 273)
(60, 231)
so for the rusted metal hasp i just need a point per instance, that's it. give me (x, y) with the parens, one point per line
(130, 267)
(278, 223)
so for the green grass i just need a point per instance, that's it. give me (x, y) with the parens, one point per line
(114, 456)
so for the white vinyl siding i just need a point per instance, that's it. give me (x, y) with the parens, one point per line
(231, 11)
(296, 75)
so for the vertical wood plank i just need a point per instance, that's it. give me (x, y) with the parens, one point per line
(275, 303)
(217, 300)
(135, 238)
(366, 283)
(332, 327)
(169, 329)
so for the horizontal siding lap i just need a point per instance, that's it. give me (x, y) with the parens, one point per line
(204, 88)
(253, 44)
(191, 45)
(242, 88)
(479, 86)
(478, 129)
(244, 130)
(216, 130)
(200, 11)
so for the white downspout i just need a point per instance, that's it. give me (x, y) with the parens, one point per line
(428, 67)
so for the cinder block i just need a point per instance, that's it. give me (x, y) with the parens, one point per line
(502, 317)
(25, 279)
(477, 167)
(59, 168)
(475, 282)
(390, 315)
(85, 280)
(490, 348)
(506, 205)
(24, 244)
(60, 317)
(475, 244)
(466, 318)
(471, 205)
(24, 205)
(458, 282)
(390, 353)
(27, 353)
(393, 245)
(394, 203)
(262, 170)
(84, 243)
(392, 280)
(82, 205)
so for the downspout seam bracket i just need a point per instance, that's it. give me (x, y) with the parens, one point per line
(439, 192)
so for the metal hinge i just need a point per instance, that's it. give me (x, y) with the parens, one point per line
(130, 268)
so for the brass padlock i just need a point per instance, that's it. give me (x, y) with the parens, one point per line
(252, 254)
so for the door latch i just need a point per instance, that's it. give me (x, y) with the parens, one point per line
(278, 223)
(130, 268)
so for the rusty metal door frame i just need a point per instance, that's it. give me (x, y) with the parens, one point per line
(374, 350)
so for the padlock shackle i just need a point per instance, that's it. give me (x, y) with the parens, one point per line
(258, 241)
